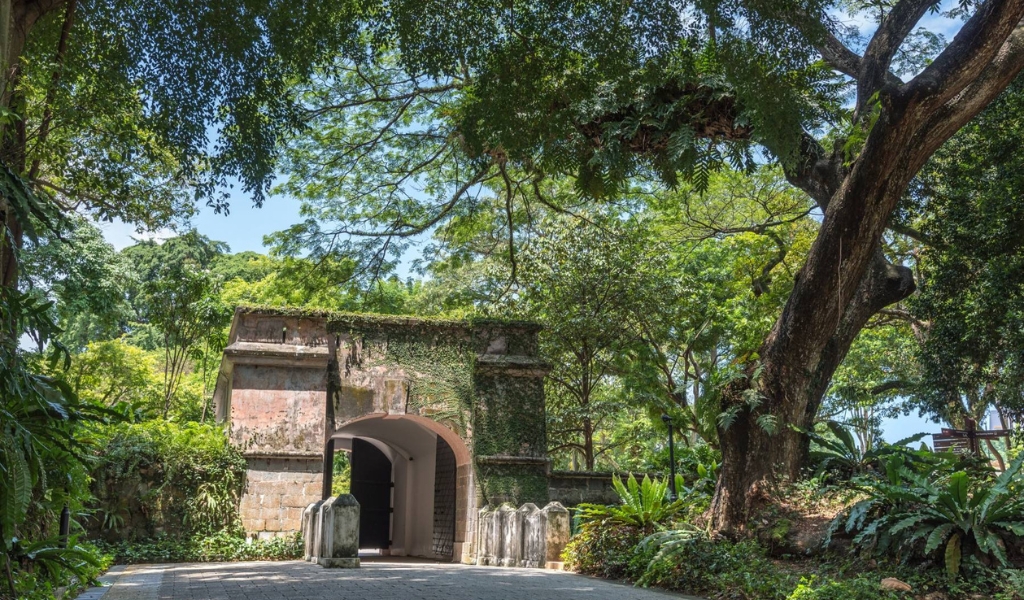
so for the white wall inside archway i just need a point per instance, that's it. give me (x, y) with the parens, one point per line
(412, 448)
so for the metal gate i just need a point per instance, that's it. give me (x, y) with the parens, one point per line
(444, 500)
(371, 486)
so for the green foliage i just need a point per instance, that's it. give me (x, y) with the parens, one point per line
(112, 372)
(966, 206)
(605, 550)
(840, 452)
(120, 124)
(214, 547)
(1012, 585)
(644, 505)
(856, 588)
(85, 277)
(40, 418)
(590, 288)
(953, 516)
(342, 474)
(72, 568)
(158, 476)
(698, 565)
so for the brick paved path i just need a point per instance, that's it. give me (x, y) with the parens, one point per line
(373, 581)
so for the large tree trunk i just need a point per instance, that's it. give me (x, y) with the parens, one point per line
(846, 279)
(17, 19)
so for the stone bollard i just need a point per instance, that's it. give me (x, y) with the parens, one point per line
(495, 541)
(484, 525)
(310, 522)
(528, 537)
(534, 538)
(512, 537)
(339, 532)
(531, 521)
(556, 534)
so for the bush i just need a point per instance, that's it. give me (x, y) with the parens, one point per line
(1012, 585)
(46, 569)
(643, 505)
(952, 516)
(718, 568)
(217, 547)
(606, 549)
(159, 477)
(858, 588)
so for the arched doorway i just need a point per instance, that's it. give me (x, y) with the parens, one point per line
(412, 477)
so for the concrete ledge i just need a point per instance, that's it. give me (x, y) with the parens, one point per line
(263, 353)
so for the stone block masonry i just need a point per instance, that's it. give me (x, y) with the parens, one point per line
(277, 490)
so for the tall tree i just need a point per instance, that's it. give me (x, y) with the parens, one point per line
(612, 92)
(108, 106)
(589, 288)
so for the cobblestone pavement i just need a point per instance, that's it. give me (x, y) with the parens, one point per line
(373, 581)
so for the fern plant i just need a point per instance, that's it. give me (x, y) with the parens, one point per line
(955, 516)
(843, 455)
(643, 504)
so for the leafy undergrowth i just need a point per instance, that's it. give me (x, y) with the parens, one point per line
(725, 570)
(787, 556)
(213, 548)
(46, 571)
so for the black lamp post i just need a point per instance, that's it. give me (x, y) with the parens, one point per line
(671, 458)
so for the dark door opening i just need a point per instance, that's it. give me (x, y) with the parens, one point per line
(371, 486)
(444, 500)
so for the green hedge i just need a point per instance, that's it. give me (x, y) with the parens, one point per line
(213, 548)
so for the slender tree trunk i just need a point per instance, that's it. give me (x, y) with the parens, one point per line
(588, 443)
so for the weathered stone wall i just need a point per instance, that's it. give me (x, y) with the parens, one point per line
(277, 490)
(578, 487)
(278, 411)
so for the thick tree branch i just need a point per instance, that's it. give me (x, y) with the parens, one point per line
(894, 28)
(972, 50)
(888, 386)
(986, 86)
(913, 233)
(836, 55)
(814, 172)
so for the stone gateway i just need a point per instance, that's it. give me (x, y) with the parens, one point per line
(441, 418)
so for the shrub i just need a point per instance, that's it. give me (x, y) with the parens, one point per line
(606, 549)
(840, 454)
(953, 516)
(158, 476)
(858, 588)
(643, 505)
(217, 547)
(48, 568)
(720, 568)
(1012, 585)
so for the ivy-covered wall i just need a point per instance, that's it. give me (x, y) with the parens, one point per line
(481, 379)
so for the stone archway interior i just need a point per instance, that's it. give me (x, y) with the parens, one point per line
(426, 497)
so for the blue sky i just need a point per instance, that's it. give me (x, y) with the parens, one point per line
(244, 228)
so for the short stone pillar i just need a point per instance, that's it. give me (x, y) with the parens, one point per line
(310, 526)
(556, 534)
(511, 539)
(488, 527)
(534, 537)
(339, 532)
